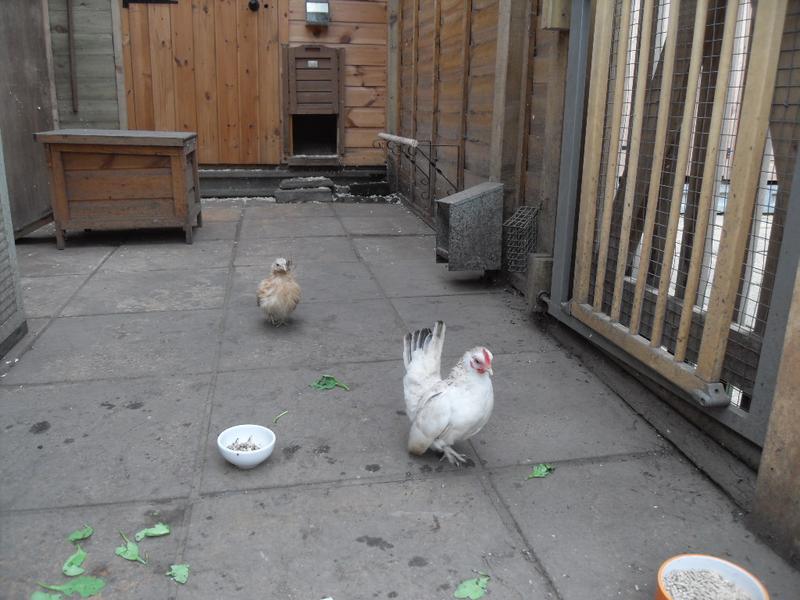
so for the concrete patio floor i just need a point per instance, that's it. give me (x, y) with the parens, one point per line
(143, 348)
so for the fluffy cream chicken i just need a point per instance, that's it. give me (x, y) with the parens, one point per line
(444, 411)
(279, 294)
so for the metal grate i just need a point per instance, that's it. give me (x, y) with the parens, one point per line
(519, 238)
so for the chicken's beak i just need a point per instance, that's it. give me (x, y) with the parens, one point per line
(489, 370)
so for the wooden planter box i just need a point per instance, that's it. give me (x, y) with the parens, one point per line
(116, 179)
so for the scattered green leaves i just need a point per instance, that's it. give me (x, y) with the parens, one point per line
(72, 567)
(473, 589)
(80, 534)
(130, 551)
(179, 573)
(45, 596)
(541, 470)
(156, 530)
(275, 420)
(85, 586)
(328, 382)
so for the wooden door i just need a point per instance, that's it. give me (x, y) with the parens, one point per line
(210, 66)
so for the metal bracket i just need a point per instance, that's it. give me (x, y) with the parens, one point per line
(714, 396)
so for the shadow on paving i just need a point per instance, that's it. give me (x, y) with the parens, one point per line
(142, 349)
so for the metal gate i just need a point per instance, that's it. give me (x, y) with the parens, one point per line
(690, 142)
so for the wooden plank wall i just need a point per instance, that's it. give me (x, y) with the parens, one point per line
(447, 73)
(360, 27)
(27, 108)
(209, 66)
(95, 73)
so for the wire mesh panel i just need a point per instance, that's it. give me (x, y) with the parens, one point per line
(519, 238)
(683, 199)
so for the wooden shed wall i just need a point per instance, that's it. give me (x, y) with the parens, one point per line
(448, 79)
(96, 70)
(358, 26)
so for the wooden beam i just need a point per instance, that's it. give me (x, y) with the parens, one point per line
(604, 235)
(709, 180)
(642, 76)
(73, 76)
(414, 94)
(119, 64)
(48, 48)
(684, 143)
(525, 91)
(437, 25)
(750, 140)
(393, 49)
(465, 53)
(593, 149)
(668, 62)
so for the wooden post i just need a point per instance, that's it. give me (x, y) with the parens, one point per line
(756, 104)
(465, 50)
(598, 86)
(642, 75)
(668, 61)
(73, 76)
(525, 91)
(393, 67)
(776, 510)
(437, 23)
(709, 181)
(414, 98)
(613, 153)
(695, 62)
(119, 64)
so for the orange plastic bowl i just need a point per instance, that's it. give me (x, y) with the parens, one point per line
(733, 573)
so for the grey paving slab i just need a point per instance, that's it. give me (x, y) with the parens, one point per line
(35, 546)
(292, 227)
(397, 540)
(368, 209)
(145, 256)
(602, 530)
(548, 407)
(213, 213)
(387, 249)
(9, 360)
(319, 333)
(272, 211)
(400, 224)
(497, 321)
(115, 291)
(215, 230)
(43, 259)
(43, 296)
(403, 278)
(320, 282)
(81, 348)
(69, 444)
(328, 436)
(321, 249)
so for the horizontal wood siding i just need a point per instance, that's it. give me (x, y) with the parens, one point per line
(95, 73)
(360, 27)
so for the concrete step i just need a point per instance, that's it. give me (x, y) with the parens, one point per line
(318, 194)
(297, 183)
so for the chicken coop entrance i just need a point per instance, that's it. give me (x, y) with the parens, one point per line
(683, 201)
(313, 108)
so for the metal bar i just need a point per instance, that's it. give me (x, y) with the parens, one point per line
(73, 76)
(668, 58)
(598, 87)
(709, 180)
(570, 167)
(604, 235)
(756, 104)
(642, 75)
(774, 333)
(684, 141)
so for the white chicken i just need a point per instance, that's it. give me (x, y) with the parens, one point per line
(279, 294)
(444, 411)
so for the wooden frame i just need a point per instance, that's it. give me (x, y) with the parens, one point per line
(112, 179)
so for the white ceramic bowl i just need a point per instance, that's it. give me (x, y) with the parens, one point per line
(248, 459)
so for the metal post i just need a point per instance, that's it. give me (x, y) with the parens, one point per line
(772, 345)
(571, 146)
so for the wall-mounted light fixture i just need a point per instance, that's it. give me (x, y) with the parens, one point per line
(318, 13)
